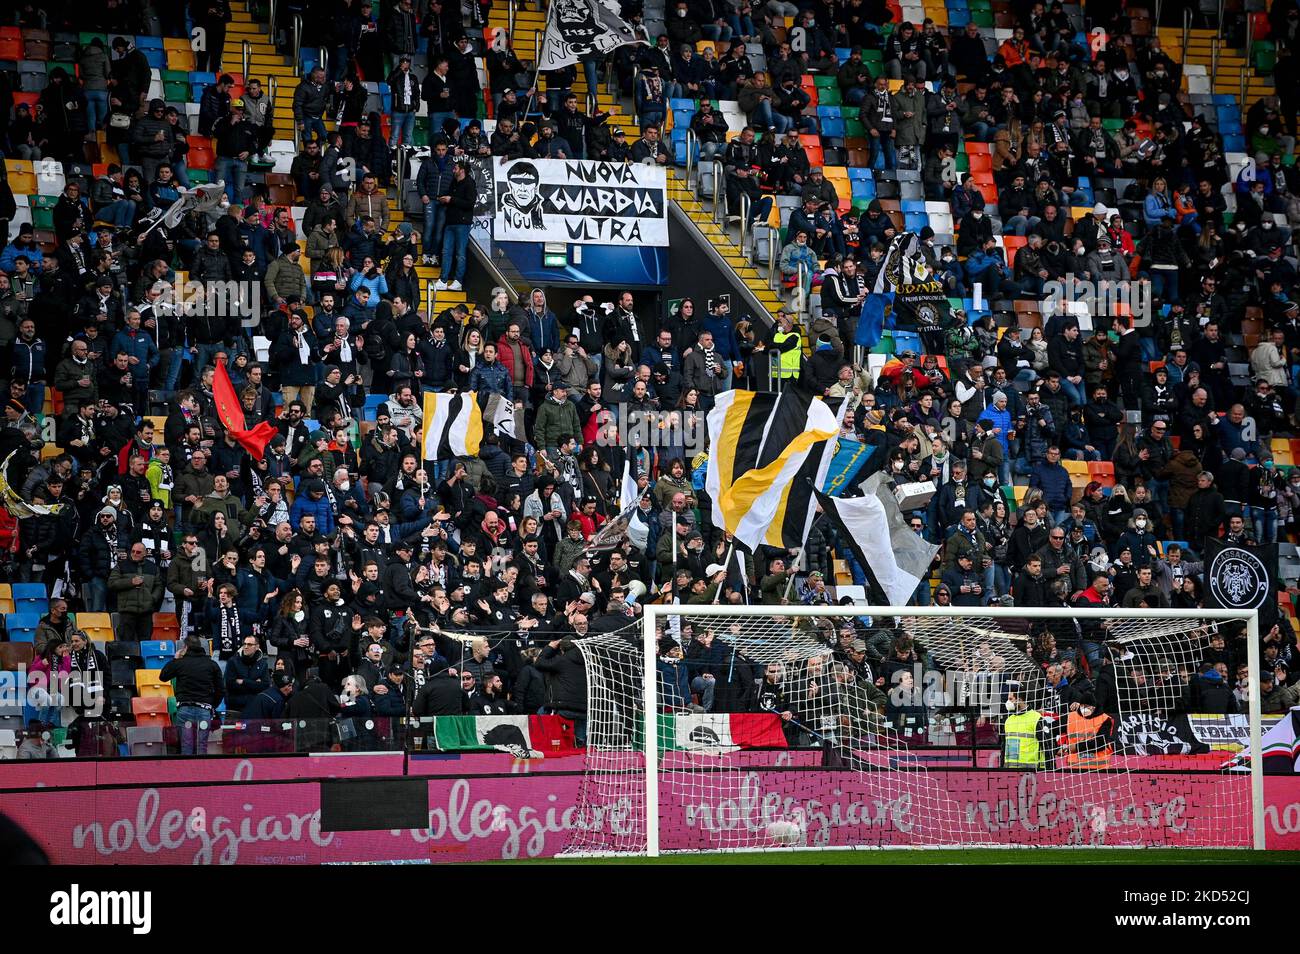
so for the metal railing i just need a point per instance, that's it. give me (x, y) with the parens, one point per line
(802, 291)
(246, 53)
(297, 44)
(324, 61)
(744, 219)
(510, 20)
(1214, 57)
(773, 272)
(719, 200)
(1245, 83)
(430, 290)
(1187, 30)
(690, 155)
(270, 27)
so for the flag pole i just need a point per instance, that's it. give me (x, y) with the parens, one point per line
(726, 562)
(794, 569)
(537, 67)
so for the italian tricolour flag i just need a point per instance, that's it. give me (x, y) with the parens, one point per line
(525, 737)
(721, 731)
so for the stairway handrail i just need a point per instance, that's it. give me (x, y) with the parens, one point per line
(246, 51)
(270, 27)
(297, 44)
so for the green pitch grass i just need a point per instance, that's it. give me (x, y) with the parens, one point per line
(957, 856)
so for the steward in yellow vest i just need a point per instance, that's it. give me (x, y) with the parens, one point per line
(787, 348)
(1025, 734)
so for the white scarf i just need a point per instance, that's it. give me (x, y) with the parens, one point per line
(304, 349)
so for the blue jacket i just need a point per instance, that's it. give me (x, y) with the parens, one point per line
(10, 255)
(138, 345)
(250, 598)
(544, 331)
(378, 285)
(256, 675)
(303, 506)
(1054, 481)
(1002, 421)
(29, 361)
(980, 261)
(1153, 210)
(490, 377)
(653, 354)
(724, 336)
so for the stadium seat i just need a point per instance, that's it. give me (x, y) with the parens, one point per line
(147, 683)
(21, 627)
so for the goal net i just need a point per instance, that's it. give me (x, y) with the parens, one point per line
(771, 727)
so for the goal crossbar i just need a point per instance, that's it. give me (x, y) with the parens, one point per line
(656, 611)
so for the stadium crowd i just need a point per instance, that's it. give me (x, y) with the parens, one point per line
(344, 565)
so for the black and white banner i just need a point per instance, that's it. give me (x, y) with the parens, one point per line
(575, 28)
(480, 167)
(1242, 578)
(1153, 733)
(580, 201)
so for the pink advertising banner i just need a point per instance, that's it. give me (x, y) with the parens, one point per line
(482, 818)
(262, 768)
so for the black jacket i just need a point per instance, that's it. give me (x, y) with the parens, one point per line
(198, 680)
(440, 695)
(566, 679)
(460, 210)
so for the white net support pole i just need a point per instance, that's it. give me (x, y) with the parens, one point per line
(650, 696)
(1256, 735)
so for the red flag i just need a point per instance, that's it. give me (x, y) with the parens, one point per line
(231, 413)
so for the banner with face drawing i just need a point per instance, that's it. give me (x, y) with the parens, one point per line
(579, 202)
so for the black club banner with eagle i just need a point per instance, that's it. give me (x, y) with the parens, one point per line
(1240, 577)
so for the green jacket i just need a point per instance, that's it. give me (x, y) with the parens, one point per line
(145, 598)
(554, 420)
(772, 589)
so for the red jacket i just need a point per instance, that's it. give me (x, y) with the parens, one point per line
(507, 356)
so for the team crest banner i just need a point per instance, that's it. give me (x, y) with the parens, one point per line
(1239, 577)
(579, 201)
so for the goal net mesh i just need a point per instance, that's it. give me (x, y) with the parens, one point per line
(781, 730)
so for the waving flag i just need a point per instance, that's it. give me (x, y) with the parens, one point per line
(575, 28)
(453, 425)
(759, 443)
(231, 413)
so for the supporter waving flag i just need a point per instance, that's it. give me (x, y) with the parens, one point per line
(759, 442)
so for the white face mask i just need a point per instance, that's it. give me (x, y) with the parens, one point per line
(1010, 705)
(1140, 524)
(345, 486)
(681, 13)
(299, 616)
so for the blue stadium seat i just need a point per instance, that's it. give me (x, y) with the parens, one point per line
(915, 221)
(863, 188)
(681, 102)
(856, 173)
(22, 626)
(905, 341)
(832, 127)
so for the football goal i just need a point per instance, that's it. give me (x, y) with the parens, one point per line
(751, 728)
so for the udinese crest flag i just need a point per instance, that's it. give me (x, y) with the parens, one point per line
(1240, 577)
(231, 413)
(576, 28)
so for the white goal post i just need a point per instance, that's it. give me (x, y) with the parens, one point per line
(619, 763)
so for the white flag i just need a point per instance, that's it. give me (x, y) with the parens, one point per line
(503, 415)
(630, 493)
(575, 28)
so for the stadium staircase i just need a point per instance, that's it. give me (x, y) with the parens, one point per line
(265, 61)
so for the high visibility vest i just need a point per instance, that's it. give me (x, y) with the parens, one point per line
(1079, 730)
(1022, 748)
(787, 363)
